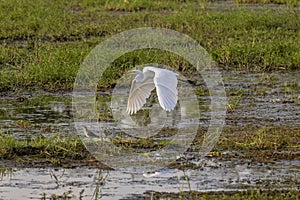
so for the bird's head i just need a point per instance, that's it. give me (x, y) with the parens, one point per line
(139, 74)
(135, 71)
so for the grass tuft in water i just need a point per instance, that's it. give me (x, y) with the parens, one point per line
(55, 149)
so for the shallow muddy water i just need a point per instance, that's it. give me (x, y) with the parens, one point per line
(214, 175)
(31, 114)
(267, 99)
(263, 100)
(270, 99)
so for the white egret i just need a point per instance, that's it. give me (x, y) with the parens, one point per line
(165, 82)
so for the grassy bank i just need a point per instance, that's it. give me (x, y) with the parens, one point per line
(262, 145)
(247, 195)
(43, 43)
(43, 151)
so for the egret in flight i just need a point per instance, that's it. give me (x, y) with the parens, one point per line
(165, 82)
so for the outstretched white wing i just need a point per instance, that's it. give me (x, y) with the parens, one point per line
(139, 92)
(166, 87)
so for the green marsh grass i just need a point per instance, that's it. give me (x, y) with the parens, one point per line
(288, 3)
(263, 144)
(53, 148)
(253, 194)
(46, 52)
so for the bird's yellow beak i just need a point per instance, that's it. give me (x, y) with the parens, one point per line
(129, 72)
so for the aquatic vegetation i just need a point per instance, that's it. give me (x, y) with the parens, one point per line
(234, 101)
(243, 195)
(5, 171)
(55, 150)
(262, 144)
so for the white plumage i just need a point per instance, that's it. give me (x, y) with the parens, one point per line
(165, 82)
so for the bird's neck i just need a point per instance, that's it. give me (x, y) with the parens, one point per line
(140, 77)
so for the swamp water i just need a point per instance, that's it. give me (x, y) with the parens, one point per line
(263, 100)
